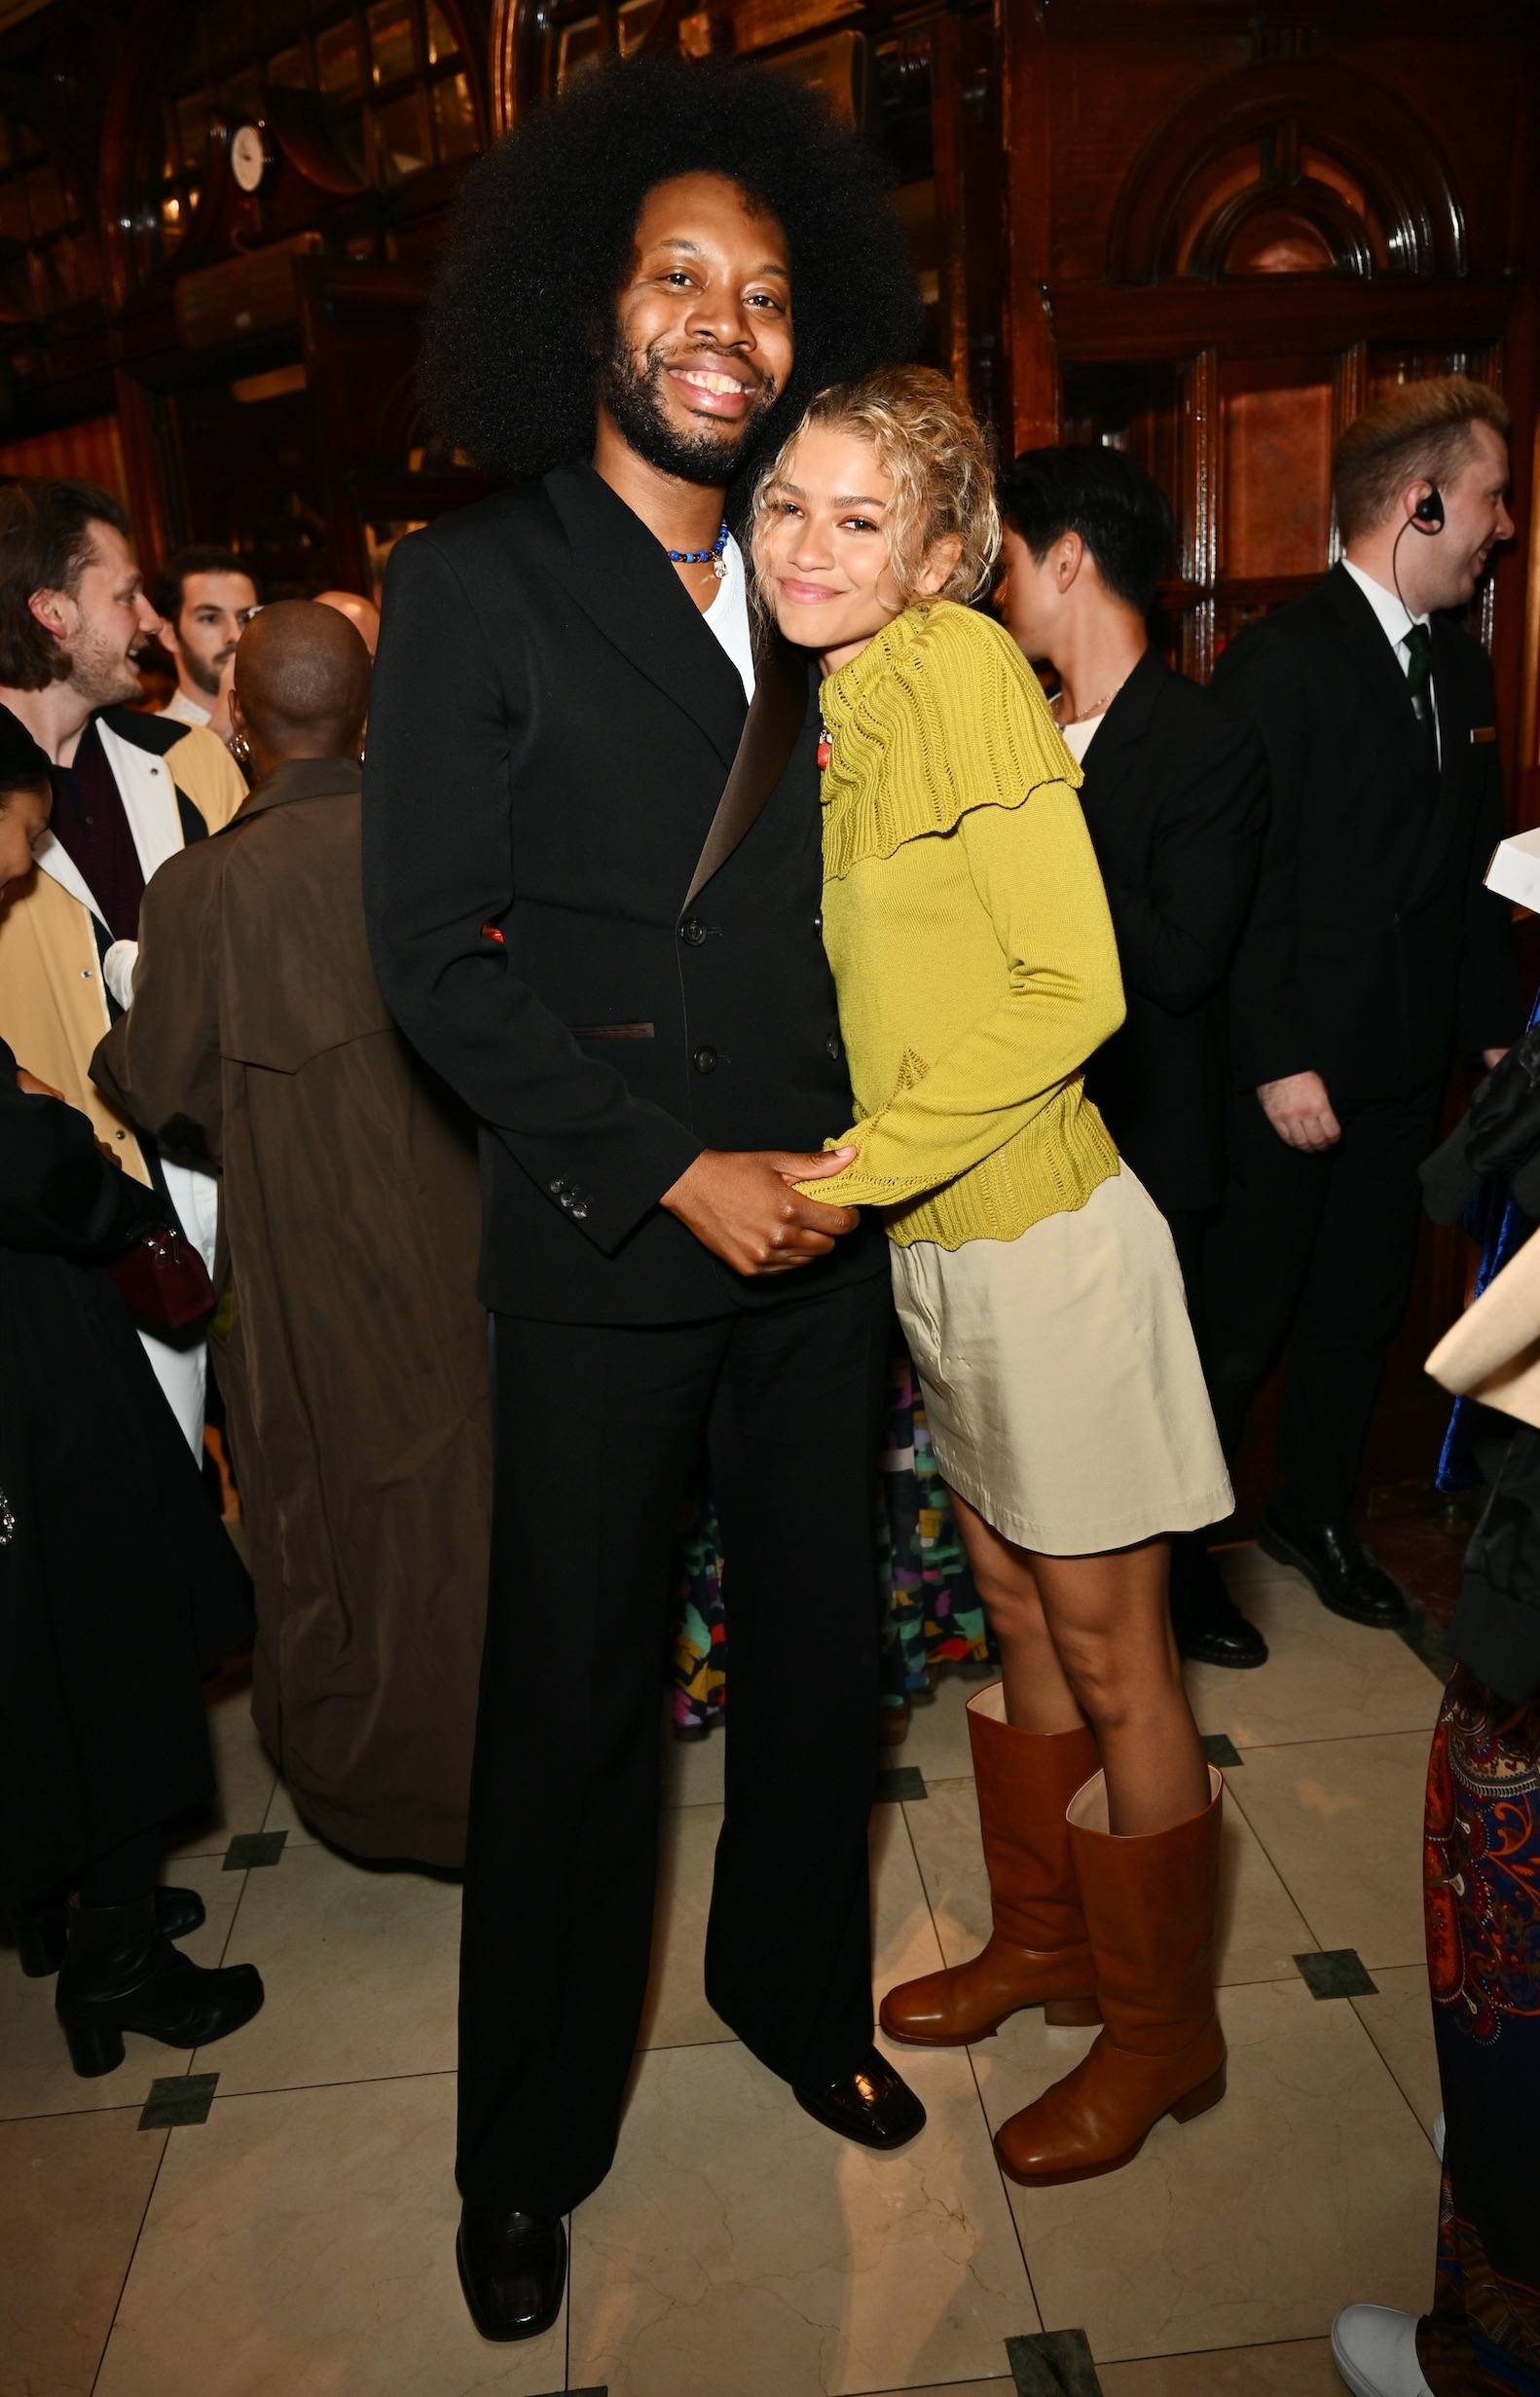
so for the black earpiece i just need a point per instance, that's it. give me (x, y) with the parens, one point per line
(1428, 514)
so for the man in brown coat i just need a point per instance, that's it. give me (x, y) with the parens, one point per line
(350, 1344)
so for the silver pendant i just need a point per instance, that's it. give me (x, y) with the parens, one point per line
(719, 566)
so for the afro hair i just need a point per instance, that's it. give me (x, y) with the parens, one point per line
(542, 239)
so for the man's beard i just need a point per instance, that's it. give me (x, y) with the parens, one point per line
(205, 671)
(631, 394)
(99, 673)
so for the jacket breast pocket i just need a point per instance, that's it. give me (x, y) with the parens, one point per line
(612, 1031)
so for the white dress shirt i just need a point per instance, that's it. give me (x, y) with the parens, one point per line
(1395, 622)
(728, 616)
(186, 710)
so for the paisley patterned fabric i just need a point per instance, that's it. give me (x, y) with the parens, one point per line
(931, 1614)
(1481, 1893)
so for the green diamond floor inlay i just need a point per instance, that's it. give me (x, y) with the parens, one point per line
(1053, 2364)
(1220, 1749)
(899, 1781)
(251, 1848)
(173, 2103)
(1336, 1973)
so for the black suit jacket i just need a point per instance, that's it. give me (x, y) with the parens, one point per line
(1372, 949)
(551, 728)
(1174, 799)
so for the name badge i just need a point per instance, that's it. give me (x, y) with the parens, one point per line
(1483, 732)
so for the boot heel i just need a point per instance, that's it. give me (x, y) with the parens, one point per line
(1198, 2101)
(95, 2048)
(1070, 2013)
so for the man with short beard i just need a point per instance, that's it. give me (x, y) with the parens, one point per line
(128, 791)
(204, 599)
(592, 868)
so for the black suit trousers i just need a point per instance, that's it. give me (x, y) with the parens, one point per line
(597, 1427)
(1312, 1255)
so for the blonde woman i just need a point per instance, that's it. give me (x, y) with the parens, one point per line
(1036, 1281)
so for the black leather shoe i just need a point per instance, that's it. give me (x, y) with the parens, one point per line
(871, 2105)
(42, 1932)
(512, 2268)
(122, 1973)
(1345, 1577)
(1210, 1628)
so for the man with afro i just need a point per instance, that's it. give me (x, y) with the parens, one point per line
(591, 865)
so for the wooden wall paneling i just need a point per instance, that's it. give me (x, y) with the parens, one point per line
(1031, 366)
(948, 136)
(156, 501)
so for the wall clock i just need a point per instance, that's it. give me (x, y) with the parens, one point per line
(250, 158)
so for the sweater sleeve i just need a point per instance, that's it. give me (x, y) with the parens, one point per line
(1035, 872)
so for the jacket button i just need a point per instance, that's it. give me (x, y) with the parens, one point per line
(833, 1045)
(704, 1060)
(694, 932)
(817, 928)
(579, 1211)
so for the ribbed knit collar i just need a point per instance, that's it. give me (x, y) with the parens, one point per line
(840, 693)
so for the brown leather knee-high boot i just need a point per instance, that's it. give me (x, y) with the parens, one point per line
(1149, 1906)
(1037, 1954)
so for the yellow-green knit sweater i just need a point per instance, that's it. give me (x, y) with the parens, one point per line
(967, 930)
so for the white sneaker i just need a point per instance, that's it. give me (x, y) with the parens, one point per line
(1376, 2351)
(1437, 2136)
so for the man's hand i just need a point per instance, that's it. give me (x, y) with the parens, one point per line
(1492, 1057)
(30, 1085)
(741, 1205)
(1300, 1110)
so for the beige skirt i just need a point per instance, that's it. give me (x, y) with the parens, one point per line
(1061, 1380)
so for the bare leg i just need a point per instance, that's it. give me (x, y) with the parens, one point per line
(1088, 1639)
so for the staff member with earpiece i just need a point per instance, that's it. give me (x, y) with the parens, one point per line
(1372, 956)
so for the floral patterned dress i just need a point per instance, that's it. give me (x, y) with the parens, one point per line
(932, 1615)
(1482, 1877)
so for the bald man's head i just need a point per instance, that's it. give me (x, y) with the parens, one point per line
(359, 610)
(302, 680)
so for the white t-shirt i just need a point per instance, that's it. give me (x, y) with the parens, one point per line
(728, 616)
(1077, 737)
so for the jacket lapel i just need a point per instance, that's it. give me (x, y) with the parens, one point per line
(1114, 754)
(619, 574)
(1376, 663)
(775, 718)
(149, 799)
(52, 859)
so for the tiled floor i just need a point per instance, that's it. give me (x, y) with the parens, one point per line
(298, 2242)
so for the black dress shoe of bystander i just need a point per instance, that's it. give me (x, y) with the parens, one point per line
(1210, 1628)
(512, 2268)
(1345, 1577)
(872, 2105)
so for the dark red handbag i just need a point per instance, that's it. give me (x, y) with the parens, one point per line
(163, 1280)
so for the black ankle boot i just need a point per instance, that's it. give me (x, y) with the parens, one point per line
(122, 1973)
(40, 1933)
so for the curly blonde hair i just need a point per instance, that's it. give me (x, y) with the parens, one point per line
(938, 456)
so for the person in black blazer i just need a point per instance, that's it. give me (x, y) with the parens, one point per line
(1175, 800)
(593, 881)
(1372, 954)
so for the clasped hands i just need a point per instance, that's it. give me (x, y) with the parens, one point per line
(744, 1206)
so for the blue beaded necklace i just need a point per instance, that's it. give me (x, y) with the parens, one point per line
(713, 557)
